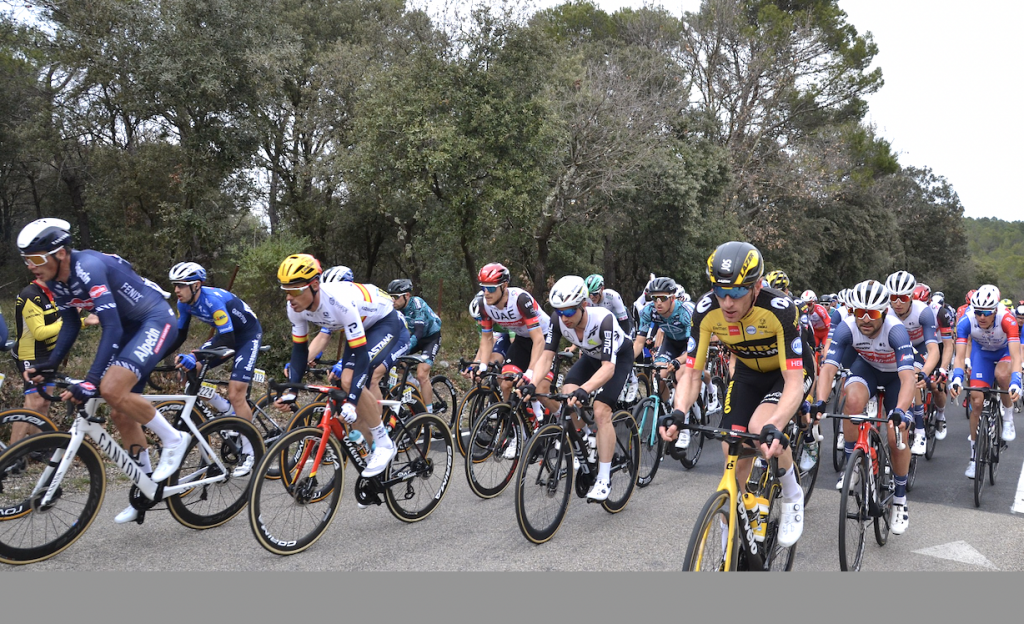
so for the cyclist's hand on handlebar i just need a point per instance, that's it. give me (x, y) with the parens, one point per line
(773, 441)
(899, 418)
(285, 400)
(667, 428)
(336, 372)
(817, 409)
(579, 396)
(79, 392)
(526, 390)
(185, 360)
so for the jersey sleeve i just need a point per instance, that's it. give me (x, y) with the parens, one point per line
(788, 340)
(927, 321)
(842, 338)
(221, 319)
(899, 340)
(963, 330)
(1010, 328)
(300, 326)
(553, 336)
(528, 309)
(697, 349)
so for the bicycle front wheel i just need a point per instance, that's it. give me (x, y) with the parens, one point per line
(994, 445)
(853, 511)
(691, 454)
(212, 504)
(646, 414)
(777, 558)
(625, 462)
(493, 450)
(709, 540)
(930, 420)
(289, 514)
(471, 407)
(421, 469)
(29, 531)
(544, 482)
(445, 402)
(838, 446)
(981, 455)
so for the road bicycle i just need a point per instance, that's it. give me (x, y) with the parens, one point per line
(803, 447)
(52, 484)
(931, 423)
(735, 532)
(289, 514)
(485, 392)
(988, 440)
(700, 413)
(834, 406)
(557, 457)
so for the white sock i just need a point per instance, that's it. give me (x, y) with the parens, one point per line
(1008, 414)
(972, 450)
(220, 404)
(725, 536)
(169, 436)
(604, 471)
(380, 436)
(940, 414)
(538, 410)
(791, 490)
(246, 446)
(143, 461)
(430, 407)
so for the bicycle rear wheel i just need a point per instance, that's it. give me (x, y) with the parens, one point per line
(471, 407)
(30, 532)
(930, 420)
(309, 415)
(422, 467)
(652, 447)
(494, 450)
(213, 504)
(995, 445)
(287, 515)
(544, 482)
(801, 451)
(836, 406)
(854, 515)
(625, 461)
(912, 473)
(706, 549)
(885, 489)
(445, 403)
(981, 455)
(12, 417)
(691, 454)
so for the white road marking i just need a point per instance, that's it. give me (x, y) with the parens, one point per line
(1018, 498)
(958, 551)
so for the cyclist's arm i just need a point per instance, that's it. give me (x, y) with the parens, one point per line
(607, 369)
(110, 322)
(791, 364)
(899, 341)
(35, 322)
(300, 346)
(1013, 340)
(317, 346)
(184, 320)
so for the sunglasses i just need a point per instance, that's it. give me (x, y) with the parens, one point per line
(735, 292)
(566, 313)
(870, 315)
(984, 312)
(900, 298)
(663, 298)
(295, 290)
(182, 284)
(490, 289)
(37, 260)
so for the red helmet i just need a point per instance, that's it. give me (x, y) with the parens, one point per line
(967, 299)
(922, 293)
(493, 273)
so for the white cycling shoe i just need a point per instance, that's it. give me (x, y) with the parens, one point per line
(170, 458)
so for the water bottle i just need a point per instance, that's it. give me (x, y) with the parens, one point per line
(357, 439)
(750, 503)
(762, 524)
(591, 448)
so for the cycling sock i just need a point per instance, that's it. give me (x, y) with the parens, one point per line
(538, 411)
(220, 405)
(380, 436)
(940, 414)
(604, 471)
(972, 450)
(848, 448)
(430, 407)
(918, 412)
(169, 436)
(143, 461)
(899, 500)
(725, 536)
(1008, 414)
(901, 488)
(246, 446)
(791, 491)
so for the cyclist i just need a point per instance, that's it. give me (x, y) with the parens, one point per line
(375, 335)
(605, 362)
(963, 309)
(778, 280)
(236, 328)
(610, 300)
(995, 358)
(884, 357)
(760, 327)
(919, 321)
(818, 318)
(502, 341)
(37, 323)
(641, 302)
(944, 320)
(424, 333)
(137, 326)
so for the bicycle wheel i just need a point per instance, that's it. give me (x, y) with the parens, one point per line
(707, 547)
(277, 420)
(885, 490)
(691, 454)
(995, 445)
(981, 452)
(473, 404)
(930, 420)
(720, 389)
(643, 388)
(802, 453)
(30, 532)
(172, 413)
(836, 406)
(10, 418)
(213, 504)
(422, 468)
(625, 462)
(544, 482)
(309, 415)
(854, 515)
(493, 450)
(777, 558)
(445, 402)
(647, 414)
(289, 514)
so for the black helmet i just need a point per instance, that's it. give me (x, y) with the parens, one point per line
(735, 264)
(44, 235)
(399, 287)
(663, 285)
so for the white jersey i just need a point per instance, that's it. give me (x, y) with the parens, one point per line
(343, 305)
(1003, 331)
(602, 337)
(889, 351)
(519, 315)
(611, 300)
(920, 323)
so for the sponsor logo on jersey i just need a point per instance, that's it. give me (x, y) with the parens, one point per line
(691, 344)
(798, 346)
(794, 363)
(81, 304)
(97, 291)
(734, 331)
(751, 330)
(129, 292)
(220, 318)
(154, 340)
(82, 273)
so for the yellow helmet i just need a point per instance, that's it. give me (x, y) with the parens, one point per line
(298, 269)
(778, 279)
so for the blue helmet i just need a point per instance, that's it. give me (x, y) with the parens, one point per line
(337, 274)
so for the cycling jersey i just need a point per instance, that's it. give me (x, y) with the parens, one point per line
(1003, 331)
(37, 323)
(837, 316)
(766, 339)
(235, 323)
(889, 351)
(421, 321)
(611, 300)
(519, 315)
(920, 324)
(602, 337)
(819, 322)
(676, 326)
(944, 320)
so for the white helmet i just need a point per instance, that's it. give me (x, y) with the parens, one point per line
(568, 292)
(474, 309)
(808, 295)
(869, 295)
(985, 298)
(901, 283)
(339, 273)
(187, 272)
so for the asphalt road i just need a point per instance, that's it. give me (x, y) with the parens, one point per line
(947, 531)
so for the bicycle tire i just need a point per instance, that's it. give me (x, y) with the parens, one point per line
(720, 385)
(995, 445)
(488, 469)
(9, 418)
(472, 405)
(426, 470)
(445, 402)
(930, 420)
(912, 473)
(29, 534)
(309, 415)
(652, 446)
(279, 418)
(643, 388)
(838, 452)
(691, 454)
(853, 512)
(625, 462)
(885, 489)
(980, 455)
(806, 478)
(171, 411)
(777, 558)
(543, 484)
(704, 552)
(288, 515)
(213, 504)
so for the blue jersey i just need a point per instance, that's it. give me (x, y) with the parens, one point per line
(676, 326)
(106, 285)
(420, 320)
(220, 309)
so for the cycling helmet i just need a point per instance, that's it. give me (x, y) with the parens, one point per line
(338, 273)
(901, 283)
(494, 273)
(664, 285)
(826, 300)
(735, 264)
(937, 300)
(647, 287)
(187, 272)
(44, 235)
(868, 295)
(922, 292)
(298, 269)
(1007, 303)
(568, 292)
(595, 283)
(474, 309)
(970, 294)
(681, 293)
(1019, 311)
(778, 279)
(808, 295)
(399, 287)
(985, 298)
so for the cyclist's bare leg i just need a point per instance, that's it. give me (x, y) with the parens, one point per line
(856, 401)
(1003, 381)
(605, 431)
(423, 376)
(236, 396)
(21, 430)
(128, 410)
(758, 420)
